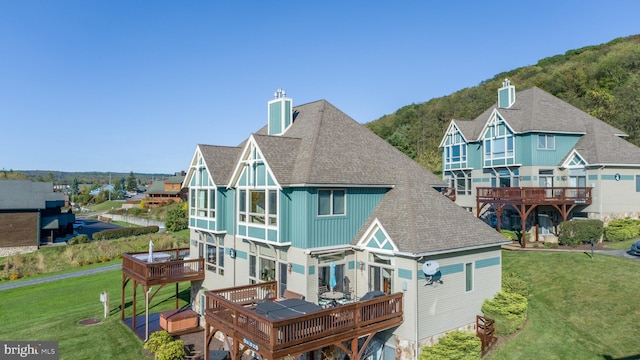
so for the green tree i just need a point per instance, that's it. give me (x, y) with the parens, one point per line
(131, 182)
(177, 219)
(75, 186)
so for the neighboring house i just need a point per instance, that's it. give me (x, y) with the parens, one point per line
(532, 158)
(315, 201)
(165, 191)
(30, 214)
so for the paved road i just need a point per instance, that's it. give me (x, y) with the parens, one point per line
(13, 285)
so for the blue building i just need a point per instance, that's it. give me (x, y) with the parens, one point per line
(320, 204)
(532, 161)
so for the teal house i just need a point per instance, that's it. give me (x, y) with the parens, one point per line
(333, 214)
(532, 161)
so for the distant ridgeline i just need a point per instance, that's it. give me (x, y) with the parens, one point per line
(61, 177)
(602, 80)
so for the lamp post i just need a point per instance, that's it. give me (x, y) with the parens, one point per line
(592, 244)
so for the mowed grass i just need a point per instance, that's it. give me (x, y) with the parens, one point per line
(579, 308)
(52, 311)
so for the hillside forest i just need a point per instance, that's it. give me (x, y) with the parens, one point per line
(602, 80)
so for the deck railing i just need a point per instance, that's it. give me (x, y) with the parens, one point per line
(534, 195)
(261, 332)
(177, 267)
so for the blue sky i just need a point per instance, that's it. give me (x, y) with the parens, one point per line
(135, 85)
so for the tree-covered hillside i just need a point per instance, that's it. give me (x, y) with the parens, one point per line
(602, 80)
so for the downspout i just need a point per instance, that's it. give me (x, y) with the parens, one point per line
(600, 192)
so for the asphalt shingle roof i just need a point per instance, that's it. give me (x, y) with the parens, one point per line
(535, 110)
(324, 146)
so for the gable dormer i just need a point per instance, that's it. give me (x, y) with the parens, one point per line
(506, 95)
(280, 113)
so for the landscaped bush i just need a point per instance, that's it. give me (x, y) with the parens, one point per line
(173, 350)
(157, 339)
(575, 232)
(163, 346)
(622, 229)
(454, 345)
(509, 310)
(509, 234)
(80, 239)
(125, 232)
(511, 283)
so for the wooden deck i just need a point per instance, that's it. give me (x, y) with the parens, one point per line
(230, 311)
(175, 269)
(534, 195)
(171, 268)
(527, 199)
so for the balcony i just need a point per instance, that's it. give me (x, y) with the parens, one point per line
(169, 266)
(233, 312)
(535, 195)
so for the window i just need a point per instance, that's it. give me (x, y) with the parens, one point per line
(498, 144)
(262, 263)
(468, 271)
(202, 193)
(461, 181)
(546, 142)
(215, 254)
(260, 206)
(380, 273)
(331, 202)
(637, 183)
(455, 150)
(545, 178)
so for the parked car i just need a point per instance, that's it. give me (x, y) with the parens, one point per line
(635, 248)
(78, 224)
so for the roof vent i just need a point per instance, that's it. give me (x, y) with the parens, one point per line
(280, 113)
(506, 95)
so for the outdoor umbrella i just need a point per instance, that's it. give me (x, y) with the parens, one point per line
(150, 259)
(332, 276)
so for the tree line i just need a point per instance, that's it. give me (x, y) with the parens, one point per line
(602, 80)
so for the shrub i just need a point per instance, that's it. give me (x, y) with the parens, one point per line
(173, 350)
(511, 235)
(80, 239)
(622, 229)
(157, 339)
(511, 283)
(575, 232)
(111, 234)
(14, 276)
(509, 310)
(454, 345)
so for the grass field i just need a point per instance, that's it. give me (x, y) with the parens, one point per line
(579, 308)
(51, 312)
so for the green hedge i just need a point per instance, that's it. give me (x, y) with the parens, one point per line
(622, 229)
(457, 344)
(125, 232)
(509, 310)
(576, 232)
(512, 283)
(80, 239)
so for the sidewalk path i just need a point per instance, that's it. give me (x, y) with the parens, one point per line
(59, 277)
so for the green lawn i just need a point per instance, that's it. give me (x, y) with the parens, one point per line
(51, 312)
(578, 308)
